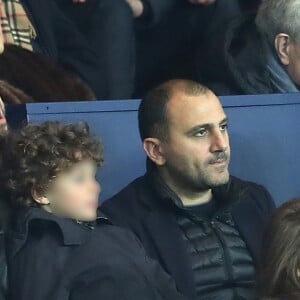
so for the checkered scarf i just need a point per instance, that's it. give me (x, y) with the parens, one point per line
(16, 27)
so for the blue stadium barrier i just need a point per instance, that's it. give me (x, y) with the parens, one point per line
(264, 131)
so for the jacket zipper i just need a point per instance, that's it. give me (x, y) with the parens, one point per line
(227, 258)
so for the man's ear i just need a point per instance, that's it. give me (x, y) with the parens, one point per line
(37, 197)
(153, 149)
(282, 45)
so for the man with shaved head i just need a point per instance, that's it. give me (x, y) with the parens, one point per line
(203, 225)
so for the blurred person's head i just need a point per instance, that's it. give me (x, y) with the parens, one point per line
(280, 261)
(279, 21)
(184, 131)
(52, 166)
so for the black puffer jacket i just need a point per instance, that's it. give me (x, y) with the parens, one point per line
(140, 208)
(222, 265)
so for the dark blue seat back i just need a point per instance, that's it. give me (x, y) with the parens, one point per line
(264, 130)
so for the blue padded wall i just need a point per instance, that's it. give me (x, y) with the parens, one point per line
(264, 129)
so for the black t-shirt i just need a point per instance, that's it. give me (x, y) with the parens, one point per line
(206, 210)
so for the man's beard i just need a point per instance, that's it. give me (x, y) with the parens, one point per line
(204, 178)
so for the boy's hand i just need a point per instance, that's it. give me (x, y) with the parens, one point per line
(202, 2)
(136, 6)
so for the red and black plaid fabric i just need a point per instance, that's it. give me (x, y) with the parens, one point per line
(16, 27)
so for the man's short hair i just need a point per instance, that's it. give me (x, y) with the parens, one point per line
(153, 116)
(279, 16)
(36, 154)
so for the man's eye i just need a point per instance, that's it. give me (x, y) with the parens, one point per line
(224, 127)
(201, 132)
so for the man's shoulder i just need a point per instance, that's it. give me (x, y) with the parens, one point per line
(251, 193)
(130, 204)
(246, 186)
(131, 193)
(242, 183)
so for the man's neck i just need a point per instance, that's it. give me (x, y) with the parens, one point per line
(188, 197)
(193, 199)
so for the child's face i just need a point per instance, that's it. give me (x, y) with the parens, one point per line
(74, 194)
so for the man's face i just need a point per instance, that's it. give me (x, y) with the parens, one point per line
(293, 67)
(197, 151)
(74, 194)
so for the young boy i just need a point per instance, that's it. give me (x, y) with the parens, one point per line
(57, 246)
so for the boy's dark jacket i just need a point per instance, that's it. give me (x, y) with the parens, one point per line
(54, 258)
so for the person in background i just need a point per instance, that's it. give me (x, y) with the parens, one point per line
(143, 42)
(26, 76)
(3, 124)
(41, 27)
(234, 66)
(3, 208)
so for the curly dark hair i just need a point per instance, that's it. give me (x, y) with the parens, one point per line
(34, 155)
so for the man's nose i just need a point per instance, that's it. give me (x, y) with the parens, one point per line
(219, 141)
